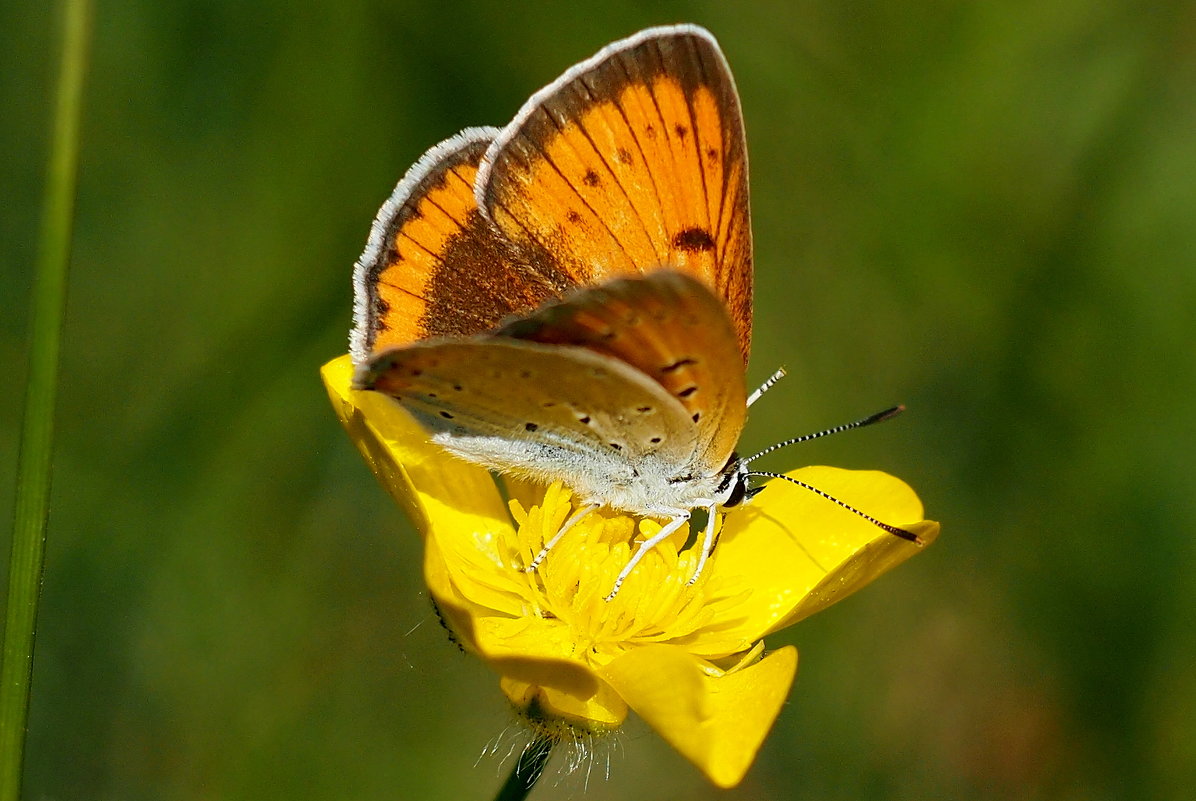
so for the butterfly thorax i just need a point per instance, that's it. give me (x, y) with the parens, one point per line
(649, 485)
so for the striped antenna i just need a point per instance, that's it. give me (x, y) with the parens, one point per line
(898, 532)
(867, 421)
(767, 385)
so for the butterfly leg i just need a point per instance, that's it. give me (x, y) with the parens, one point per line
(680, 518)
(707, 542)
(576, 518)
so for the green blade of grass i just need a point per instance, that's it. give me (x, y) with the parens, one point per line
(37, 433)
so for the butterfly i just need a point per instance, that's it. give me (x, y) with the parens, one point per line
(570, 297)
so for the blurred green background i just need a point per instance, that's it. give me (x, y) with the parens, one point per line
(984, 210)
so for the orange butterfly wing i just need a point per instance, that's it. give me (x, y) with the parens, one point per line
(632, 161)
(435, 266)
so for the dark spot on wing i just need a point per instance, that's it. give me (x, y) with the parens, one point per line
(694, 240)
(446, 415)
(573, 217)
(677, 365)
(615, 445)
(681, 130)
(685, 393)
(584, 420)
(530, 426)
(591, 178)
(623, 155)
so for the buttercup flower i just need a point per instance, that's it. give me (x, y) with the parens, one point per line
(689, 659)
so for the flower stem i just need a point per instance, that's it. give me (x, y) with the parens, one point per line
(527, 770)
(37, 434)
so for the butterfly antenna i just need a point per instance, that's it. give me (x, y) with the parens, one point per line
(898, 532)
(767, 385)
(879, 417)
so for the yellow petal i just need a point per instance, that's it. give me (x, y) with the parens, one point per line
(461, 563)
(455, 611)
(718, 722)
(801, 552)
(433, 487)
(533, 658)
(523, 647)
(602, 711)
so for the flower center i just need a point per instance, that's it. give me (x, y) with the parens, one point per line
(656, 603)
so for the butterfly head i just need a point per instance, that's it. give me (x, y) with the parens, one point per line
(733, 488)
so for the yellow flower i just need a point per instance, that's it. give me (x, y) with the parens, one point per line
(689, 659)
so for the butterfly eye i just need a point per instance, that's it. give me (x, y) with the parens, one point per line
(739, 491)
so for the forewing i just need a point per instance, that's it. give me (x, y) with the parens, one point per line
(536, 410)
(671, 328)
(632, 161)
(435, 266)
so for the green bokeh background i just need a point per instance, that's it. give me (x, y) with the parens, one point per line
(984, 210)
